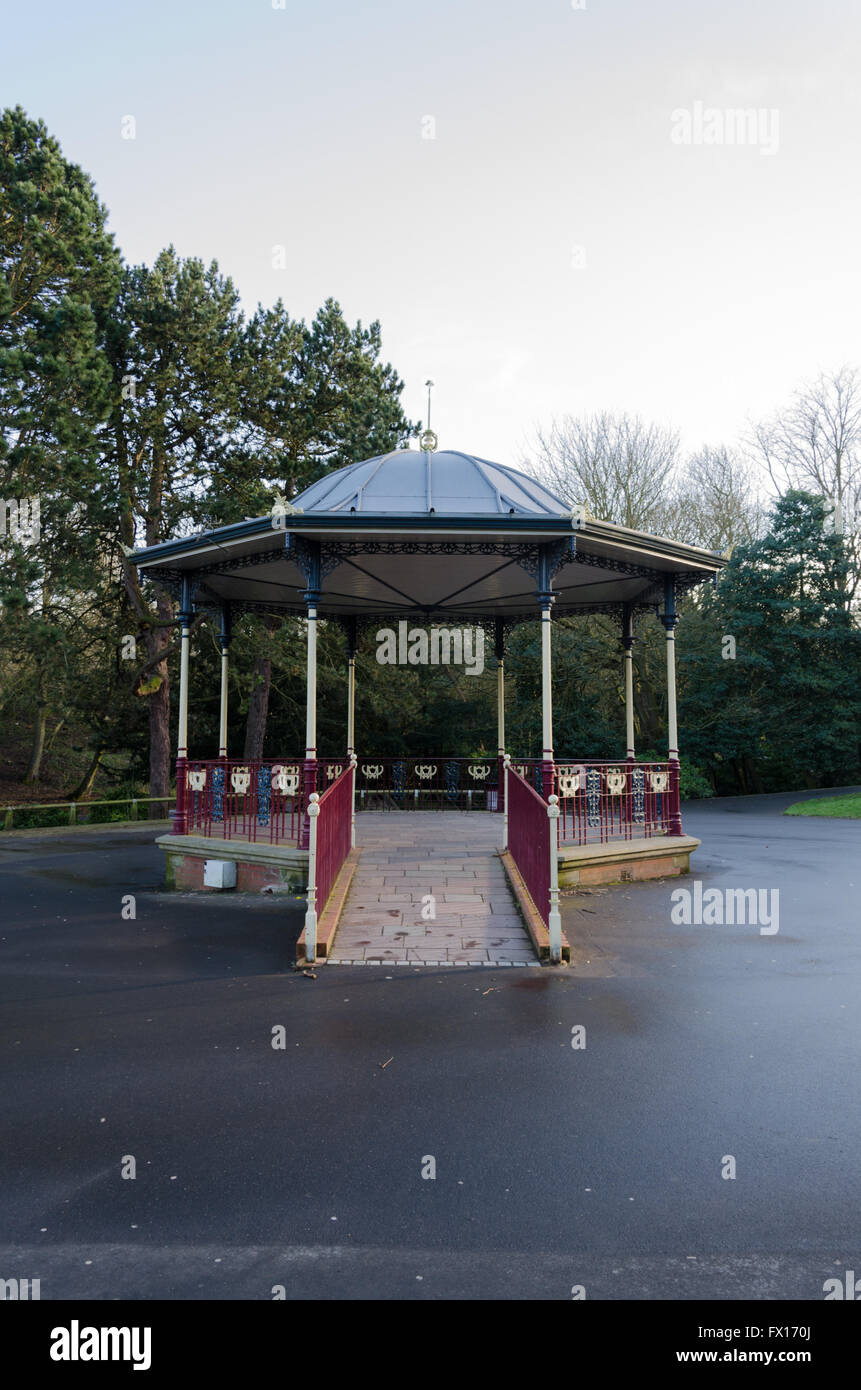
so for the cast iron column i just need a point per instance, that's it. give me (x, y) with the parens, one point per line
(309, 776)
(669, 618)
(224, 643)
(500, 714)
(628, 644)
(182, 735)
(351, 686)
(545, 600)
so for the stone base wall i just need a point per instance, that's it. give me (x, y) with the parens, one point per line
(257, 866)
(627, 861)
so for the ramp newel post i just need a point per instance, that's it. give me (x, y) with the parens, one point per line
(554, 921)
(311, 913)
(353, 764)
(505, 766)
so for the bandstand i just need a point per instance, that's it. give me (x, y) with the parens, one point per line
(429, 544)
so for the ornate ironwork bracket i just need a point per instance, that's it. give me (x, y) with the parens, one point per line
(315, 559)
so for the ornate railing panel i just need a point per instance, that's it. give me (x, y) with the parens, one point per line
(431, 782)
(599, 802)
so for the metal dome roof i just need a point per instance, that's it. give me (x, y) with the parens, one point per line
(407, 482)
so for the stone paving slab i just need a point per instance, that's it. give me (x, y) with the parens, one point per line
(449, 855)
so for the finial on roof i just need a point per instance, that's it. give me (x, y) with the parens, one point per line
(427, 439)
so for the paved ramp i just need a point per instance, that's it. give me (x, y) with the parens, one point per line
(430, 890)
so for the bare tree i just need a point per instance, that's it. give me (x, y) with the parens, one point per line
(620, 467)
(815, 444)
(716, 505)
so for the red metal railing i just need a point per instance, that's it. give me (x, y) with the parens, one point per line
(244, 800)
(257, 800)
(333, 833)
(264, 800)
(529, 838)
(431, 782)
(614, 801)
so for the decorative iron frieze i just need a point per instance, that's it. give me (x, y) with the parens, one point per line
(264, 785)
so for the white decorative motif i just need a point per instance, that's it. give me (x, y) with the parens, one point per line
(616, 783)
(240, 779)
(285, 779)
(658, 781)
(479, 771)
(426, 771)
(372, 770)
(521, 768)
(333, 770)
(568, 780)
(197, 779)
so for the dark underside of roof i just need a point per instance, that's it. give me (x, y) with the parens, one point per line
(445, 570)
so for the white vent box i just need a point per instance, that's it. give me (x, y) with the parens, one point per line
(219, 873)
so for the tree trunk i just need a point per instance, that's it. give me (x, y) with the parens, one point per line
(57, 729)
(31, 776)
(752, 777)
(84, 786)
(647, 725)
(258, 705)
(159, 716)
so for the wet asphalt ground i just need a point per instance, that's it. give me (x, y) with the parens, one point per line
(150, 1038)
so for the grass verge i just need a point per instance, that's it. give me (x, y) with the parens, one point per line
(838, 807)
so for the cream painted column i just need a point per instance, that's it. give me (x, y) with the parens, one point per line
(310, 768)
(545, 599)
(500, 715)
(628, 644)
(310, 561)
(546, 687)
(351, 686)
(184, 648)
(185, 611)
(224, 643)
(669, 618)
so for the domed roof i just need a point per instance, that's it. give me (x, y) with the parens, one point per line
(407, 482)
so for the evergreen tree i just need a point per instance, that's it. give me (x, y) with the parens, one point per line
(786, 711)
(59, 271)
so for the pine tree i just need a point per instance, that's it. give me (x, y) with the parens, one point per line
(59, 270)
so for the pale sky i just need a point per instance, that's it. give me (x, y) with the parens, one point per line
(717, 277)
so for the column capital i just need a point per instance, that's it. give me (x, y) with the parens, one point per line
(628, 626)
(226, 632)
(669, 617)
(186, 606)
